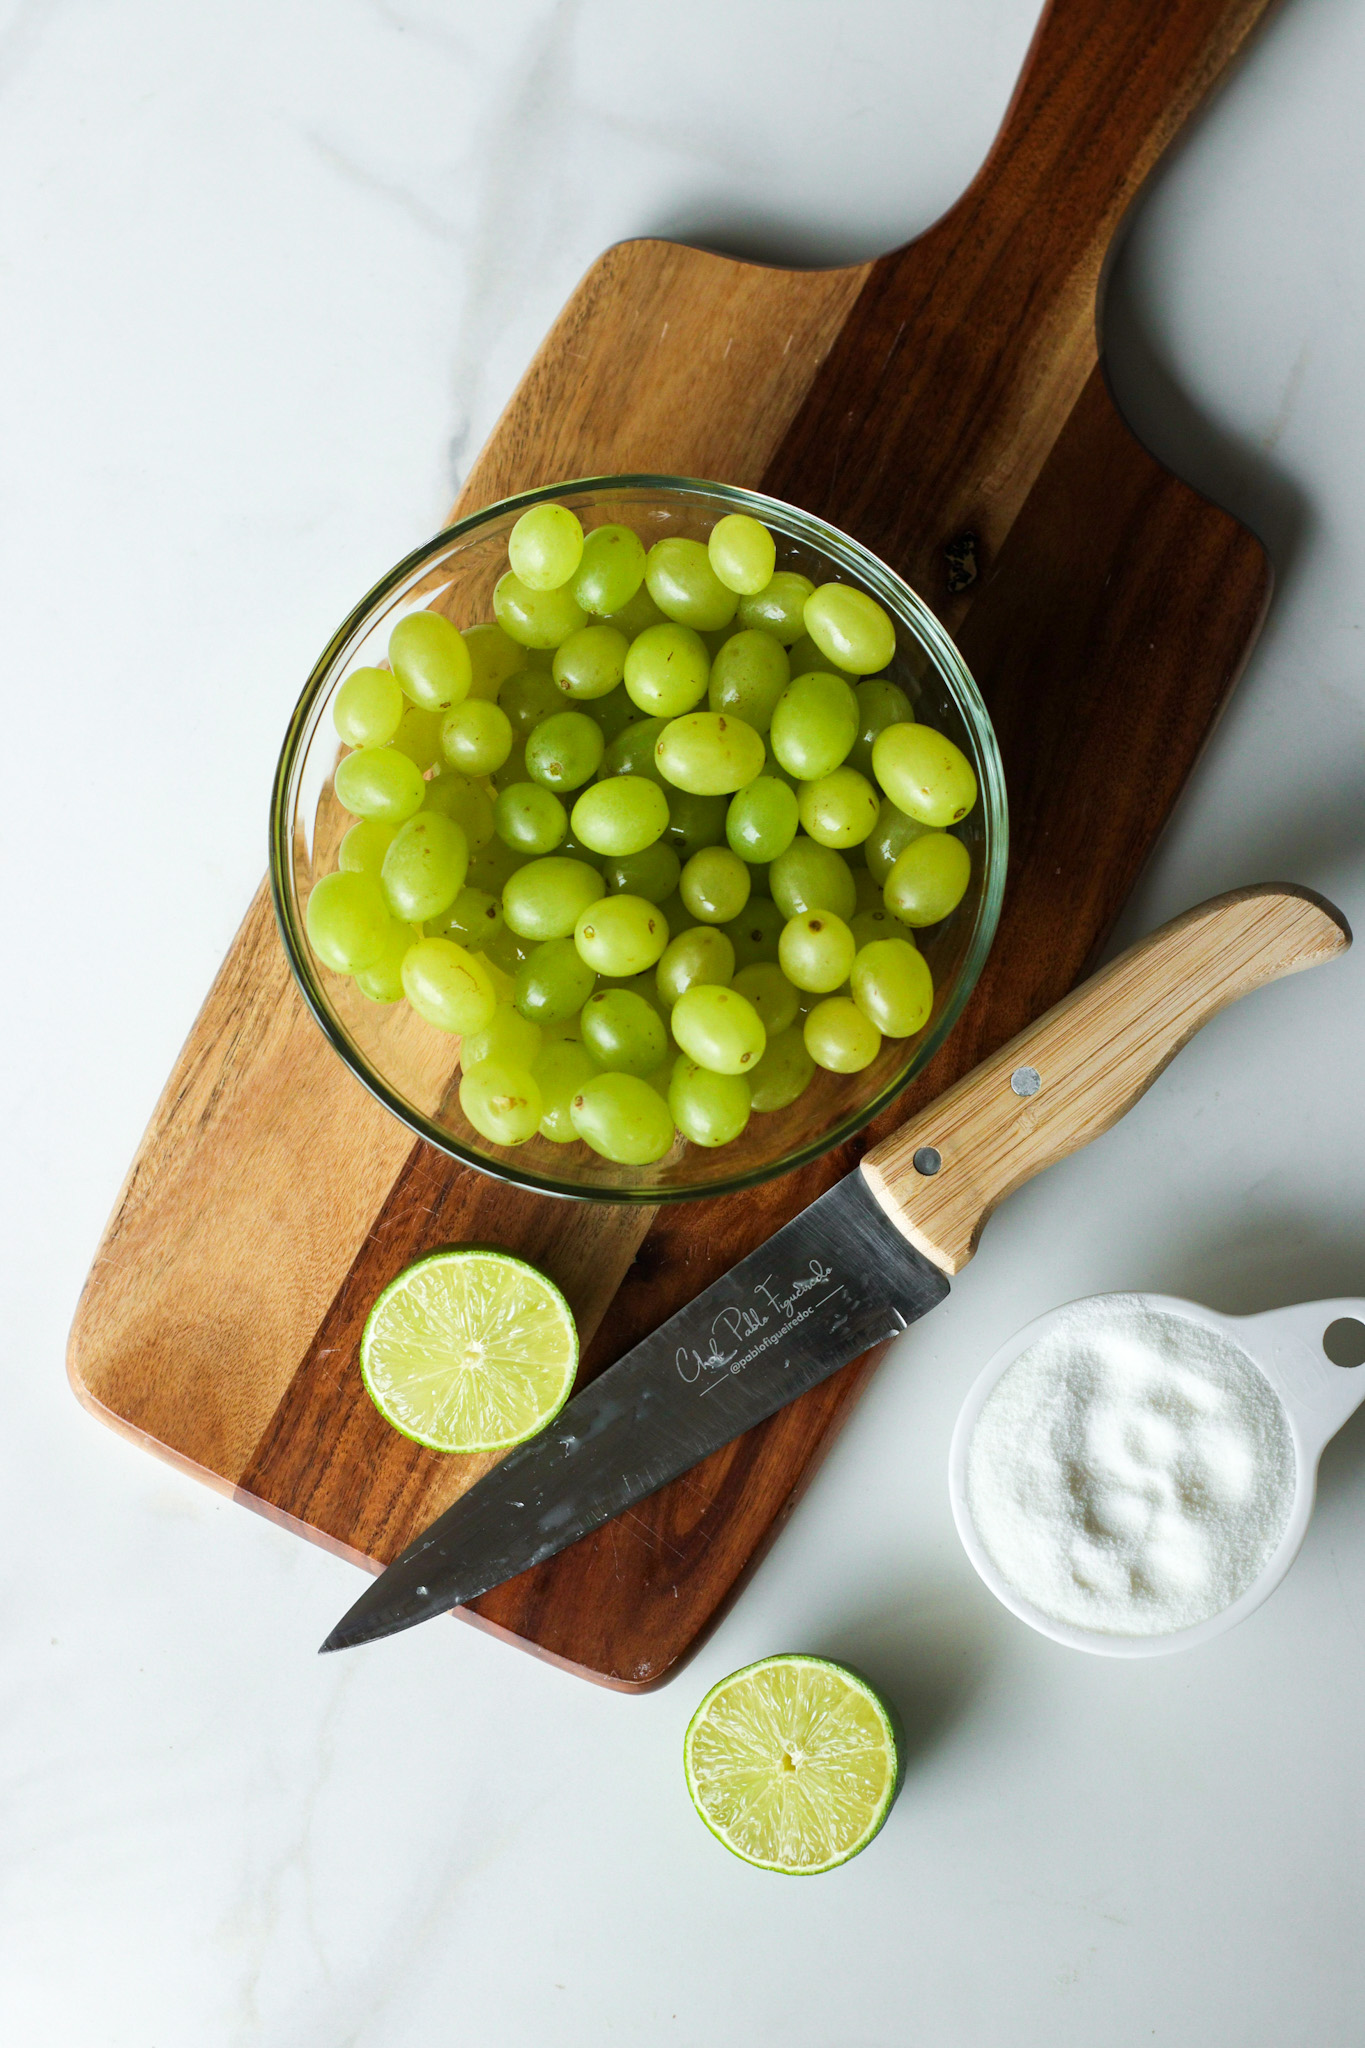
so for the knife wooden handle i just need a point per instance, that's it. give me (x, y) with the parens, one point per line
(1074, 1073)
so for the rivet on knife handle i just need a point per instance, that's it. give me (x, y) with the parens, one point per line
(1070, 1076)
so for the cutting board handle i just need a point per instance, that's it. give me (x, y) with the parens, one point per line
(1070, 1076)
(1105, 86)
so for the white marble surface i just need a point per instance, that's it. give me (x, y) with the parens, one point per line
(270, 270)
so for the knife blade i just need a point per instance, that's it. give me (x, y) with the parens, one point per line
(828, 1286)
(859, 1265)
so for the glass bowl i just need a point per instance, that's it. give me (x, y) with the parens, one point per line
(412, 1067)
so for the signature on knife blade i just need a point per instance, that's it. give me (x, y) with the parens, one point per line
(738, 1324)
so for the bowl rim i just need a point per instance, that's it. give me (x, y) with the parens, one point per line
(795, 523)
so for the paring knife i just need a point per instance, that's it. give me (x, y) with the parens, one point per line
(860, 1264)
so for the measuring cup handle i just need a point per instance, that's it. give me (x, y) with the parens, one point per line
(1288, 1345)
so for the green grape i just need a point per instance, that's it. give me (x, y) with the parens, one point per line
(816, 951)
(419, 736)
(889, 838)
(614, 713)
(880, 703)
(892, 986)
(561, 1068)
(694, 821)
(717, 1028)
(476, 737)
(674, 910)
(491, 866)
(448, 986)
(806, 659)
(713, 642)
(812, 877)
(622, 1118)
(563, 752)
(492, 659)
(929, 879)
(465, 802)
(425, 867)
(681, 581)
(652, 873)
(784, 1072)
(530, 818)
(348, 921)
(867, 891)
(591, 662)
(715, 885)
(535, 618)
(624, 1032)
(430, 660)
(838, 810)
(635, 615)
(924, 774)
(505, 954)
(632, 751)
(851, 629)
(512, 770)
(708, 1108)
(528, 697)
(472, 920)
(621, 935)
(379, 782)
(667, 669)
(646, 987)
(502, 1101)
(840, 1038)
(708, 753)
(558, 1029)
(554, 983)
(765, 986)
(814, 725)
(363, 848)
(545, 899)
(545, 547)
(748, 675)
(780, 607)
(758, 879)
(623, 815)
(574, 849)
(755, 934)
(382, 980)
(507, 1036)
(367, 708)
(869, 925)
(611, 571)
(762, 819)
(743, 553)
(699, 955)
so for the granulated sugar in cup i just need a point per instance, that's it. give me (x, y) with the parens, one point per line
(1132, 1474)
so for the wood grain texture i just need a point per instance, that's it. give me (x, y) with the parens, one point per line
(944, 405)
(1088, 1060)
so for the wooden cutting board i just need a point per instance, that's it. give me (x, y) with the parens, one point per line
(945, 405)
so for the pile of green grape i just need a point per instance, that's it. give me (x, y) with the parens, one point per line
(653, 844)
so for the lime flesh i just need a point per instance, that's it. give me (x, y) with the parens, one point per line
(469, 1350)
(792, 1763)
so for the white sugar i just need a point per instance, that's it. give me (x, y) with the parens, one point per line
(1132, 1472)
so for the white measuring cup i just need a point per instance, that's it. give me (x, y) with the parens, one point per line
(1313, 1355)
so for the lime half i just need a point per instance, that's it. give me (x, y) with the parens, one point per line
(792, 1763)
(469, 1350)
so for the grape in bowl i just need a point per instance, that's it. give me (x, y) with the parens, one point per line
(638, 838)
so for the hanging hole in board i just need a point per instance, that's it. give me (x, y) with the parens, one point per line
(1344, 1341)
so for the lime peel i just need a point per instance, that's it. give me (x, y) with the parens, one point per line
(793, 1763)
(469, 1349)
